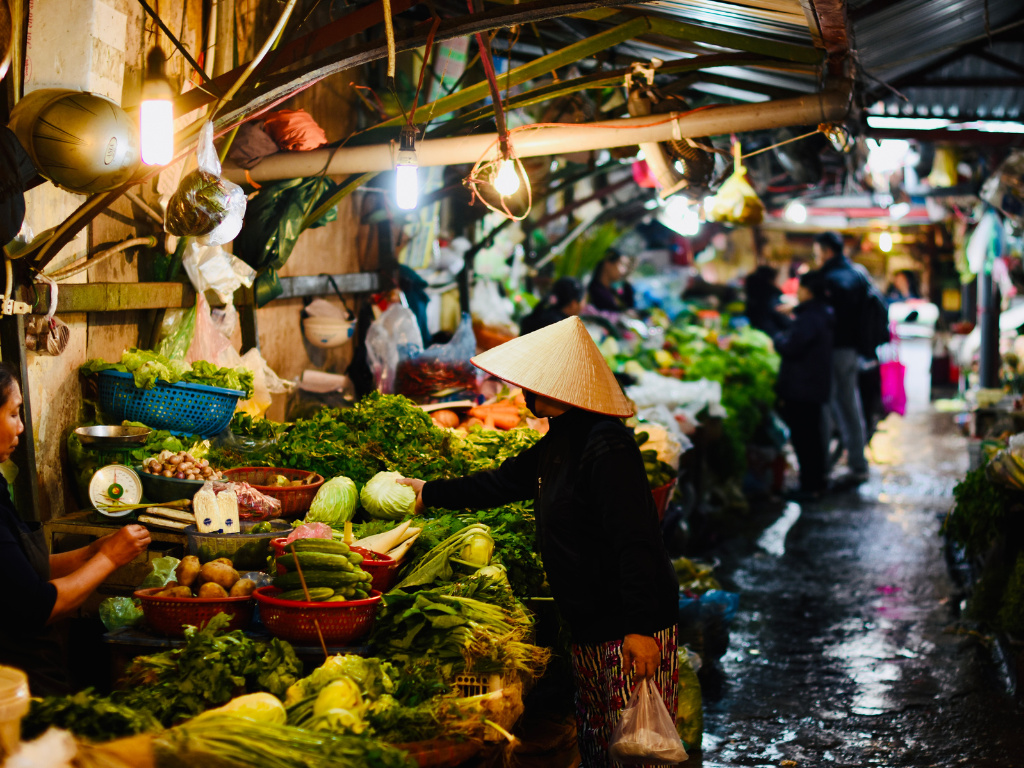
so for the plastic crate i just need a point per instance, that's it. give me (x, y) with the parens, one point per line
(189, 409)
(478, 685)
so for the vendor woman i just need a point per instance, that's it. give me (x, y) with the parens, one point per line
(40, 588)
(597, 527)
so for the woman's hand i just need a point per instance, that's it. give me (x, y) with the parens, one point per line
(125, 545)
(416, 485)
(640, 654)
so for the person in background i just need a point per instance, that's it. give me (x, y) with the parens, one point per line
(763, 299)
(904, 285)
(846, 290)
(565, 300)
(40, 588)
(609, 290)
(805, 383)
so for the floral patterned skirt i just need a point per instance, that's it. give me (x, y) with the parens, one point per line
(602, 691)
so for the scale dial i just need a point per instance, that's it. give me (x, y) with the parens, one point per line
(114, 484)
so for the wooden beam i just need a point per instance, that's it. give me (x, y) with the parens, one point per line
(320, 285)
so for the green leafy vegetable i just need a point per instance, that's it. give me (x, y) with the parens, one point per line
(86, 715)
(335, 502)
(385, 499)
(148, 367)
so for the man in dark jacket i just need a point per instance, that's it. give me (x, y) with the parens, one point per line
(805, 382)
(597, 527)
(846, 290)
(763, 299)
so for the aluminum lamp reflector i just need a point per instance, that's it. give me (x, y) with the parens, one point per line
(407, 189)
(156, 113)
(506, 181)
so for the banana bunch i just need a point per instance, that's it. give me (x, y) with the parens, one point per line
(1007, 469)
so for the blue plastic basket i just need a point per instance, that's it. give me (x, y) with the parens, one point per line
(189, 409)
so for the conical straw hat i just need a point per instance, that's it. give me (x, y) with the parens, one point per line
(562, 362)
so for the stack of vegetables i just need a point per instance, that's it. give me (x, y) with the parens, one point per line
(331, 571)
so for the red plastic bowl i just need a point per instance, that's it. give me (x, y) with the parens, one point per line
(292, 620)
(382, 568)
(170, 615)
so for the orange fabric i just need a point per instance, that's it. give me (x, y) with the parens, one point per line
(294, 130)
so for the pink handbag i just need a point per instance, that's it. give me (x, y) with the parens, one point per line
(893, 372)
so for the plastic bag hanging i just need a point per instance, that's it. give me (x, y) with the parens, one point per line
(736, 201)
(645, 734)
(206, 206)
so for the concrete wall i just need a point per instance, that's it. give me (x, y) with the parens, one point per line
(100, 45)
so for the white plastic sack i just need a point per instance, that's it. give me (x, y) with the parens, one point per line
(655, 389)
(646, 734)
(213, 268)
(488, 306)
(987, 236)
(395, 329)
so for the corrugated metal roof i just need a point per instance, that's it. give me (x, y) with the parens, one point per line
(778, 18)
(911, 41)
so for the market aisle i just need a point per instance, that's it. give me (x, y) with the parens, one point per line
(839, 655)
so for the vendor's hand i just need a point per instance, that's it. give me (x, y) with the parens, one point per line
(125, 545)
(416, 485)
(640, 654)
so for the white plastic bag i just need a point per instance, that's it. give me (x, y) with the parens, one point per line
(393, 335)
(205, 205)
(213, 268)
(646, 734)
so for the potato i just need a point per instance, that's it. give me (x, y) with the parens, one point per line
(224, 561)
(187, 571)
(221, 574)
(212, 590)
(243, 588)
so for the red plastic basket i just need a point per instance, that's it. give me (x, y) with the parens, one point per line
(170, 615)
(662, 496)
(382, 568)
(294, 501)
(292, 620)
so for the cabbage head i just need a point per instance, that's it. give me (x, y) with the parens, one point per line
(478, 549)
(334, 504)
(261, 707)
(383, 498)
(343, 693)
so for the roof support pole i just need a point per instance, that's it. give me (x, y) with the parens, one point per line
(831, 105)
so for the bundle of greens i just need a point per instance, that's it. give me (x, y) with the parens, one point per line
(242, 743)
(211, 669)
(86, 715)
(981, 513)
(471, 546)
(460, 633)
(148, 367)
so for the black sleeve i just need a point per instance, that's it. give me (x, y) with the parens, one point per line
(799, 337)
(629, 522)
(514, 480)
(26, 600)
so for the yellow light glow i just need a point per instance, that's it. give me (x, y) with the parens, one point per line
(506, 181)
(156, 129)
(885, 242)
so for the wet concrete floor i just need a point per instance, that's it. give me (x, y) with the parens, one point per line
(846, 650)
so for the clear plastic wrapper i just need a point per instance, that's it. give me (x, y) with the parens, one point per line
(206, 206)
(393, 335)
(311, 531)
(440, 367)
(254, 505)
(117, 612)
(736, 201)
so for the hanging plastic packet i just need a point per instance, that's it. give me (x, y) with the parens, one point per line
(736, 201)
(206, 206)
(645, 734)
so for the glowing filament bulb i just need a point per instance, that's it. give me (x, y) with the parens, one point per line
(506, 182)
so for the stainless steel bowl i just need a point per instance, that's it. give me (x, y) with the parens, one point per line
(107, 435)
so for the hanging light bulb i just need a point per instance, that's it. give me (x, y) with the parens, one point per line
(156, 113)
(796, 212)
(407, 188)
(885, 242)
(506, 180)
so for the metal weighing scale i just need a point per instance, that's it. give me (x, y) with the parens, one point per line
(117, 482)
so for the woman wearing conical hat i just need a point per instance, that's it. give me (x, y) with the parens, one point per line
(597, 527)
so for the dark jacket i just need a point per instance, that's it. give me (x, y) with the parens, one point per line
(597, 527)
(608, 299)
(846, 290)
(764, 315)
(806, 351)
(542, 316)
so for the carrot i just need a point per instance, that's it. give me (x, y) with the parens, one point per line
(482, 411)
(506, 422)
(489, 422)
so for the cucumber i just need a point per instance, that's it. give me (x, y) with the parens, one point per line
(355, 558)
(317, 561)
(360, 594)
(316, 594)
(315, 578)
(336, 599)
(328, 546)
(364, 576)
